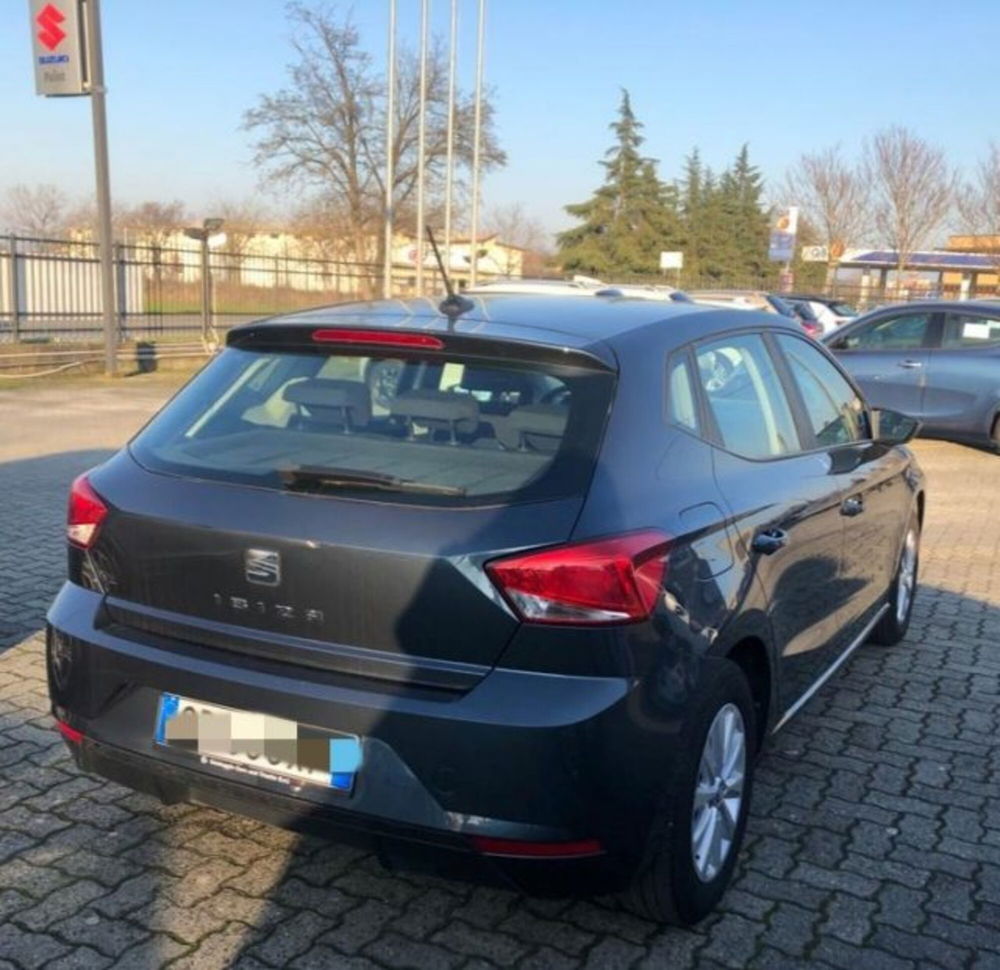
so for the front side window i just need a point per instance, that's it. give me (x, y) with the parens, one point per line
(970, 330)
(444, 430)
(905, 332)
(836, 413)
(746, 398)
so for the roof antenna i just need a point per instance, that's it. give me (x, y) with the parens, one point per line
(453, 305)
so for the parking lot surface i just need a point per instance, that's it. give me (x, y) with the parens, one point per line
(874, 840)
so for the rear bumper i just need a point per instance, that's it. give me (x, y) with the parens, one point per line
(522, 756)
(397, 845)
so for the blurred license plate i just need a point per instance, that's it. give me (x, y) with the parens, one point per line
(258, 745)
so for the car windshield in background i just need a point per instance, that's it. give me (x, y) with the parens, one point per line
(843, 309)
(436, 430)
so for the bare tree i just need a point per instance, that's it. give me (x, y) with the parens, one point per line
(912, 189)
(39, 211)
(512, 225)
(324, 131)
(979, 206)
(242, 221)
(834, 197)
(153, 222)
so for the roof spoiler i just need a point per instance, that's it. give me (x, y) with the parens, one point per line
(386, 340)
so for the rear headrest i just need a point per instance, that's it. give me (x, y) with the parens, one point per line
(539, 425)
(332, 400)
(438, 409)
(495, 381)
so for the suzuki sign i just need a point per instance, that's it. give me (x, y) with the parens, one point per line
(57, 45)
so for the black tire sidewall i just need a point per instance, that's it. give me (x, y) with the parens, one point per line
(694, 898)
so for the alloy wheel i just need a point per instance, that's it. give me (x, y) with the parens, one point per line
(718, 794)
(907, 576)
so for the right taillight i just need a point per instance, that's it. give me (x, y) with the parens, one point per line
(86, 513)
(604, 581)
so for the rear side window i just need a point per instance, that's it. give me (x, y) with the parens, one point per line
(681, 406)
(835, 412)
(438, 430)
(968, 330)
(746, 398)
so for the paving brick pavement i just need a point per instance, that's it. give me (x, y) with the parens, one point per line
(874, 841)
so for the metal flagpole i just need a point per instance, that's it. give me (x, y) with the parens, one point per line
(390, 123)
(422, 144)
(450, 158)
(95, 72)
(477, 148)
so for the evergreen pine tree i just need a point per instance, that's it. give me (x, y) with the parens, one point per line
(630, 218)
(749, 219)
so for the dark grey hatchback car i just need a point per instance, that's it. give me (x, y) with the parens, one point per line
(516, 593)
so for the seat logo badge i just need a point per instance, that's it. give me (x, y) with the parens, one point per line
(262, 566)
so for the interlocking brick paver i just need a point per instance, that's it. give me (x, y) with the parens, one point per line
(874, 841)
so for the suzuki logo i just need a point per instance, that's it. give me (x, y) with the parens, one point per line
(51, 35)
(262, 566)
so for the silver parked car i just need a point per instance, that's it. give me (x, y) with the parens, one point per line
(939, 362)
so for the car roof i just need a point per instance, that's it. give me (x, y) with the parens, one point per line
(935, 306)
(553, 320)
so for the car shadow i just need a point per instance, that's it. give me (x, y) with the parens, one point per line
(92, 869)
(32, 537)
(92, 865)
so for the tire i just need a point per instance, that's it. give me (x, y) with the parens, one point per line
(668, 886)
(893, 626)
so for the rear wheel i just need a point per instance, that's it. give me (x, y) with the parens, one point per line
(695, 840)
(893, 626)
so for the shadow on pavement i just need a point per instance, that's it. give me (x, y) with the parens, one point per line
(870, 813)
(32, 535)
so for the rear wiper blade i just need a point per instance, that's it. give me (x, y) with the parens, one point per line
(307, 479)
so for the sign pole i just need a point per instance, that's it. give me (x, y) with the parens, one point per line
(95, 65)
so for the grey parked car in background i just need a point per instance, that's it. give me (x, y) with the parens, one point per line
(939, 362)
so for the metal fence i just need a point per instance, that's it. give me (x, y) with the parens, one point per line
(50, 288)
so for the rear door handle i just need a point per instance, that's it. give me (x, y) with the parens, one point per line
(769, 541)
(854, 505)
(911, 364)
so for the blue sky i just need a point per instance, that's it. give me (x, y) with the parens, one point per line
(786, 77)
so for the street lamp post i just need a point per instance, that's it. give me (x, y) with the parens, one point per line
(202, 233)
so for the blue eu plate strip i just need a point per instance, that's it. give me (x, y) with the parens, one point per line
(345, 759)
(169, 706)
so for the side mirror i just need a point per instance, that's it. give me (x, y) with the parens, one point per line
(893, 428)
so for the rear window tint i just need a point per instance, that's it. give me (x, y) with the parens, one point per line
(432, 430)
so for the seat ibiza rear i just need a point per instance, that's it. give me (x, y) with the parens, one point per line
(454, 588)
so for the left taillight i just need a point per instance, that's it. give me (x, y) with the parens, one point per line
(605, 581)
(86, 513)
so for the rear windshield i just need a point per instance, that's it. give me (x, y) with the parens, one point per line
(418, 429)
